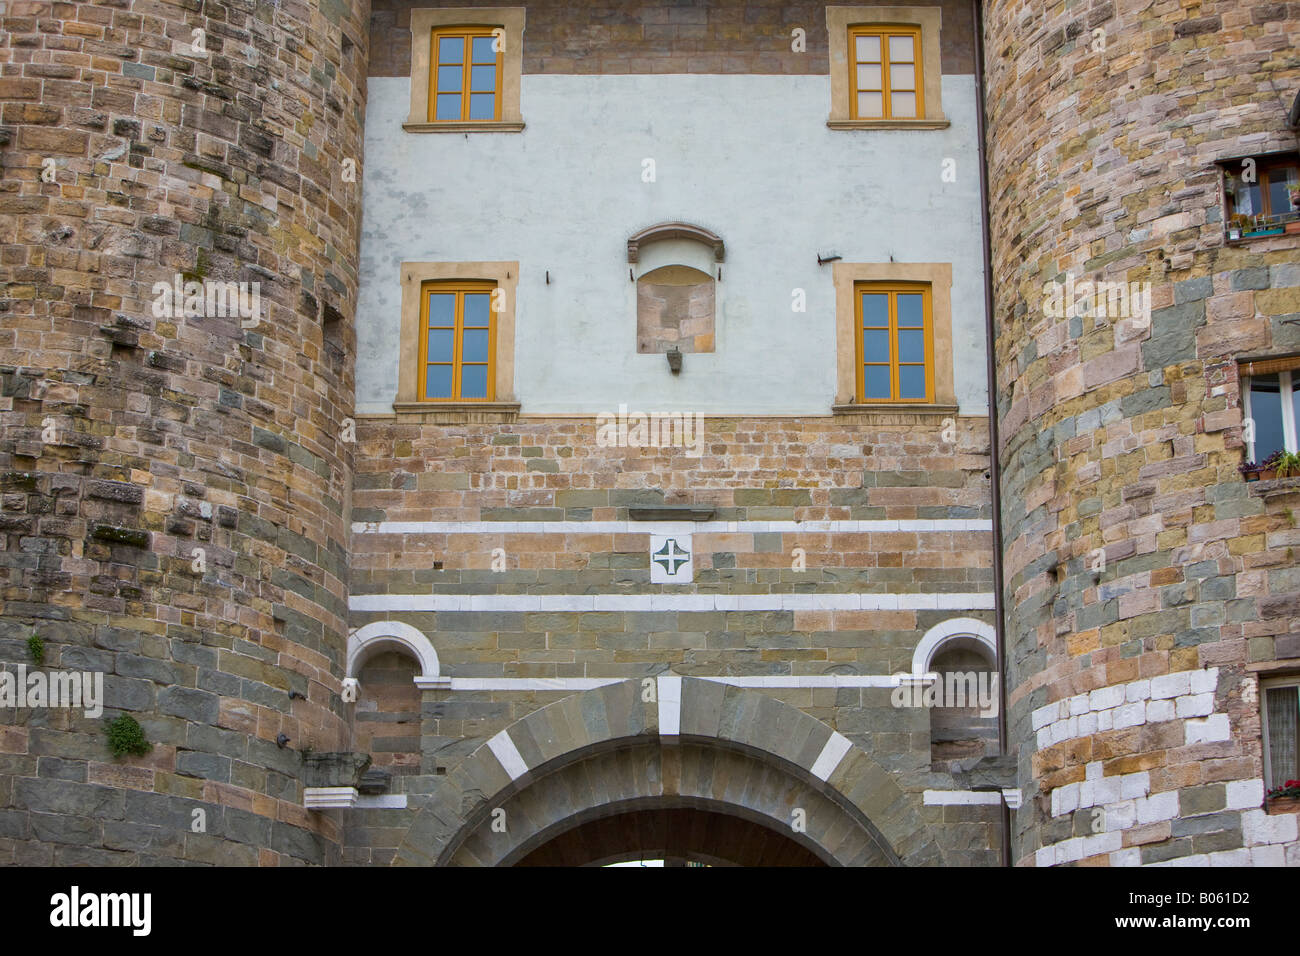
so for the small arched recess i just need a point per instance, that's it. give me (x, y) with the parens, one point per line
(959, 632)
(395, 636)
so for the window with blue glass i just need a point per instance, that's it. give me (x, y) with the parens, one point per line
(465, 82)
(895, 343)
(457, 341)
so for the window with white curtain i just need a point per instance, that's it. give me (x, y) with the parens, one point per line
(1281, 717)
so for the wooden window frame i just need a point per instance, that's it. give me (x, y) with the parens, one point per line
(1265, 685)
(425, 24)
(842, 23)
(1264, 164)
(885, 32)
(416, 277)
(848, 278)
(468, 34)
(893, 290)
(460, 289)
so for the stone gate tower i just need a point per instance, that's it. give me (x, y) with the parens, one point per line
(1150, 593)
(176, 484)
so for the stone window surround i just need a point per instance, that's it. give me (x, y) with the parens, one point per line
(413, 277)
(423, 23)
(838, 22)
(939, 277)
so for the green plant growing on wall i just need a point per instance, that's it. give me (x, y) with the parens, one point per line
(126, 736)
(36, 648)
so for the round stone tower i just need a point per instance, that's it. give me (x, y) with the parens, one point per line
(179, 223)
(1149, 590)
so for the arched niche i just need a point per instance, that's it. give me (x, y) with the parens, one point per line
(967, 632)
(394, 636)
(960, 653)
(676, 273)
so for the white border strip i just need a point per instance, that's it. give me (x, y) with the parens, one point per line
(964, 601)
(508, 754)
(962, 798)
(382, 801)
(532, 683)
(670, 527)
(590, 683)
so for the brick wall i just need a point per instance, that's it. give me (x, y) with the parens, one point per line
(131, 439)
(710, 36)
(1134, 687)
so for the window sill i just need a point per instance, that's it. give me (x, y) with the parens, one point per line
(1289, 485)
(458, 413)
(896, 413)
(1255, 237)
(1282, 805)
(504, 126)
(887, 124)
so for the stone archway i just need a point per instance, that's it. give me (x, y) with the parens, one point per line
(700, 744)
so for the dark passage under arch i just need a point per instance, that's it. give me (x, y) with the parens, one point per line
(676, 835)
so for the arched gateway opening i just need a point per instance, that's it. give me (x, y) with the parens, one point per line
(681, 836)
(704, 773)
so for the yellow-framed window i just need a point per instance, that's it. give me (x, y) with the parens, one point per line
(465, 76)
(457, 342)
(895, 342)
(885, 73)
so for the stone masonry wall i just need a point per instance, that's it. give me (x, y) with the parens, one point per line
(131, 438)
(1134, 685)
(775, 471)
(704, 36)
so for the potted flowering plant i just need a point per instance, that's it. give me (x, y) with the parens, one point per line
(1283, 463)
(1283, 799)
(1280, 464)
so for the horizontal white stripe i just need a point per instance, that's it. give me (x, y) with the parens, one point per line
(809, 680)
(532, 683)
(383, 801)
(669, 527)
(961, 798)
(590, 683)
(519, 603)
(328, 798)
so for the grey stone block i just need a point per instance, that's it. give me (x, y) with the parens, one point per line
(65, 828)
(125, 693)
(196, 705)
(1191, 290)
(62, 796)
(190, 763)
(1254, 278)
